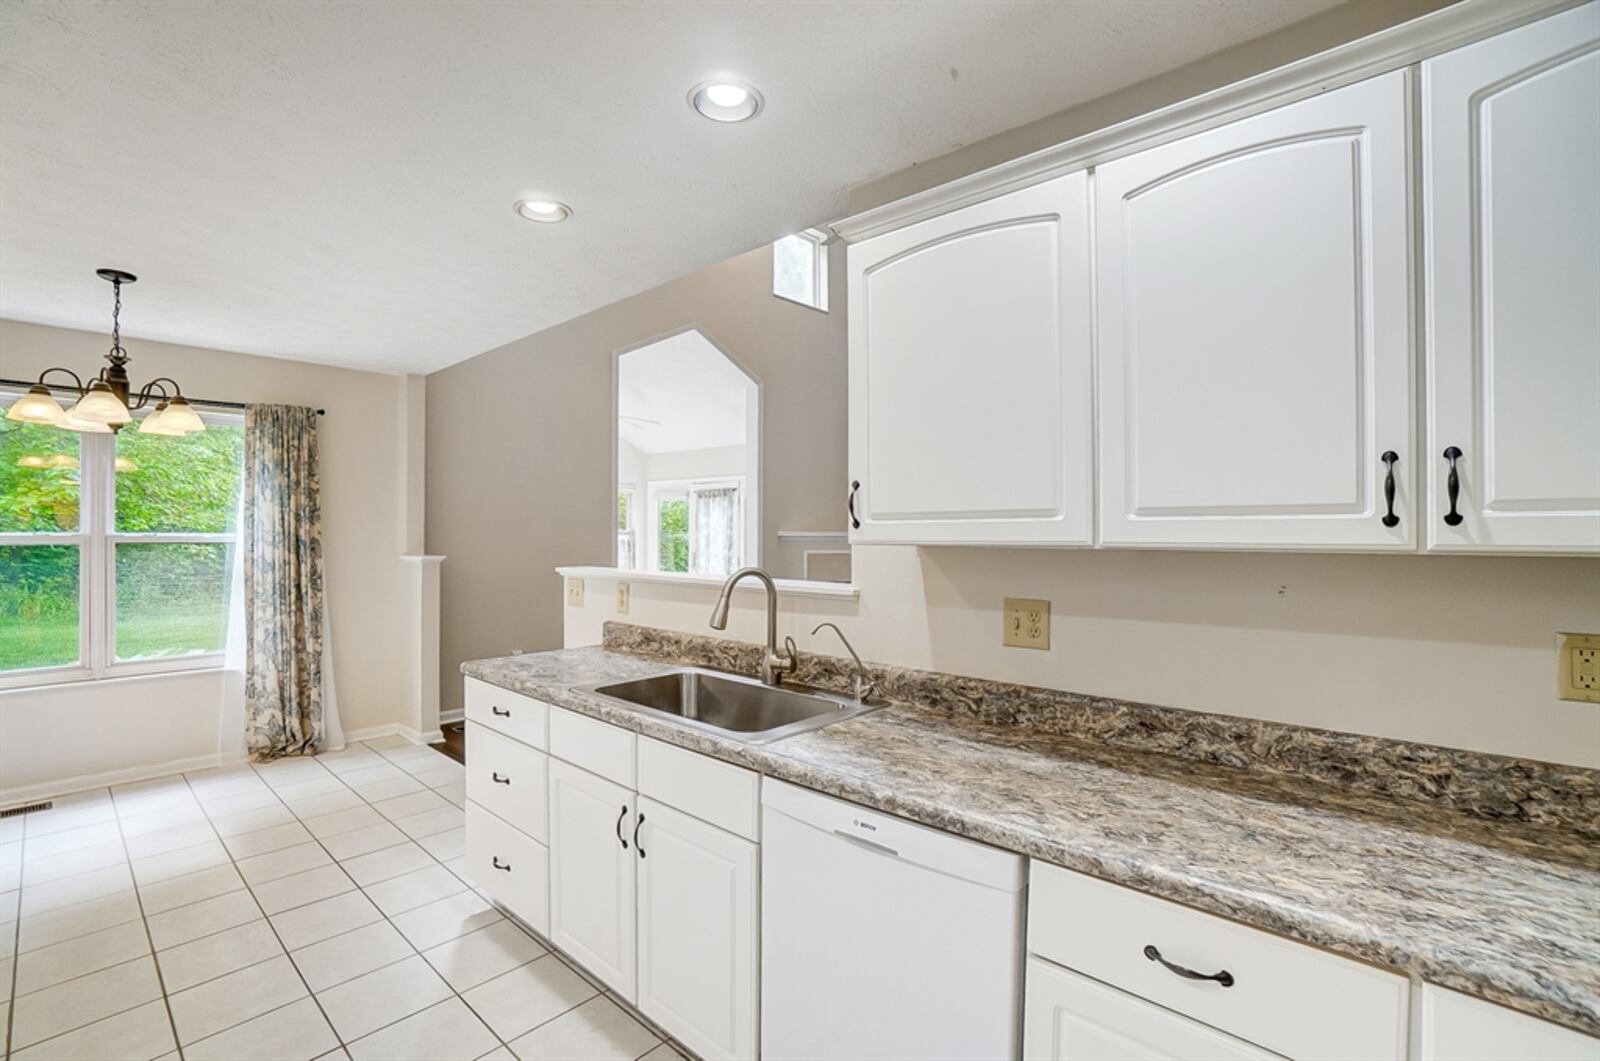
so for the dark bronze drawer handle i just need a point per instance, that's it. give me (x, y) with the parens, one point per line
(497, 779)
(637, 845)
(501, 865)
(851, 504)
(502, 712)
(1389, 458)
(1224, 978)
(1452, 485)
(623, 813)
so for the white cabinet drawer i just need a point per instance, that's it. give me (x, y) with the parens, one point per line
(513, 714)
(596, 746)
(511, 866)
(725, 795)
(1069, 1017)
(1457, 1027)
(508, 778)
(1286, 996)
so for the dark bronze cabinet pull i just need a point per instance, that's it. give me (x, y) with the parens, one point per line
(497, 779)
(621, 815)
(501, 712)
(1389, 458)
(851, 504)
(1452, 486)
(1224, 978)
(501, 865)
(638, 822)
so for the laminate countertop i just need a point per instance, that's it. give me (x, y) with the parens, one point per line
(1506, 911)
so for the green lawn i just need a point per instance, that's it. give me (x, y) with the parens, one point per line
(53, 642)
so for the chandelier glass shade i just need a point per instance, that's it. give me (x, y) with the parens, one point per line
(107, 401)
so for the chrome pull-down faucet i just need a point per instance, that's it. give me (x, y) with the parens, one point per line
(774, 664)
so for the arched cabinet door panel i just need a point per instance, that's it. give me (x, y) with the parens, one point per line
(1512, 234)
(970, 416)
(1254, 332)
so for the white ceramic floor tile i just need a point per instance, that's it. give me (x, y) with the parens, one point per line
(217, 955)
(317, 921)
(324, 803)
(598, 1030)
(411, 890)
(665, 1052)
(180, 862)
(71, 863)
(333, 961)
(290, 1033)
(172, 927)
(208, 788)
(174, 892)
(452, 843)
(351, 760)
(392, 740)
(382, 770)
(389, 862)
(361, 841)
(456, 793)
(445, 919)
(238, 802)
(469, 960)
(382, 997)
(158, 821)
(139, 1033)
(60, 962)
(434, 821)
(411, 804)
(442, 775)
(447, 1031)
(246, 845)
(10, 866)
(283, 862)
(516, 1002)
(216, 1005)
(286, 893)
(52, 895)
(82, 1001)
(70, 922)
(164, 840)
(376, 791)
(311, 784)
(51, 844)
(501, 1054)
(67, 814)
(10, 906)
(343, 821)
(402, 752)
(252, 820)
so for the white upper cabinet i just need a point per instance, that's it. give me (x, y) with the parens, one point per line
(970, 406)
(1254, 333)
(1512, 237)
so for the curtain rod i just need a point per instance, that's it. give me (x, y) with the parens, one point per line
(209, 402)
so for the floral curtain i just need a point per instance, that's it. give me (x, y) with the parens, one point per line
(284, 610)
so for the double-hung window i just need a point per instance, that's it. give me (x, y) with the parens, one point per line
(116, 551)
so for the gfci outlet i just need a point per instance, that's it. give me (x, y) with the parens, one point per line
(1578, 667)
(1027, 623)
(575, 592)
(622, 598)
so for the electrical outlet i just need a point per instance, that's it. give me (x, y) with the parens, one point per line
(1578, 667)
(622, 598)
(1027, 623)
(575, 592)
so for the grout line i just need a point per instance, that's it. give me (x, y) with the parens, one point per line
(150, 940)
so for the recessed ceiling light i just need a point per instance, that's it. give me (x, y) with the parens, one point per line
(725, 101)
(547, 210)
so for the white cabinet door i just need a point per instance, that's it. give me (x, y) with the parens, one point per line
(592, 873)
(1255, 362)
(1068, 1017)
(970, 416)
(1512, 214)
(1456, 1027)
(698, 932)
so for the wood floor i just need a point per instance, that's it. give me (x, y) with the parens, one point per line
(455, 741)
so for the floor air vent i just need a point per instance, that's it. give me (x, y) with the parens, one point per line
(12, 812)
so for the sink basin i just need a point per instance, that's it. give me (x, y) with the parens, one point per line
(733, 706)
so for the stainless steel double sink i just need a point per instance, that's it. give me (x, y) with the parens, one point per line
(730, 705)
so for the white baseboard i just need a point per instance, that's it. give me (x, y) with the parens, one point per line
(433, 736)
(453, 715)
(394, 729)
(67, 785)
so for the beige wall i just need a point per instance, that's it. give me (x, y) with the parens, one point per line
(363, 494)
(521, 447)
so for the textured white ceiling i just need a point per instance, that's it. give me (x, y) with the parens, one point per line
(332, 181)
(681, 393)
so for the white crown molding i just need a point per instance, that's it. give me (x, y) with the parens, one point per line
(1390, 49)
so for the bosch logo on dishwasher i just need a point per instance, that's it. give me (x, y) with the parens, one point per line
(859, 824)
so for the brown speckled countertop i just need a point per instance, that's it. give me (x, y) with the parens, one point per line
(1505, 910)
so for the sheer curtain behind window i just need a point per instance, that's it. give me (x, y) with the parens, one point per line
(715, 522)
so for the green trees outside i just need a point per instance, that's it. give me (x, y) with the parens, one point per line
(171, 596)
(672, 535)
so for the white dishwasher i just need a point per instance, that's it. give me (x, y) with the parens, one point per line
(884, 939)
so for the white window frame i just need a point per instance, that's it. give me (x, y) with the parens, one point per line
(632, 527)
(819, 269)
(96, 539)
(685, 489)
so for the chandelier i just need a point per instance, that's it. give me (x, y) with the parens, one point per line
(103, 404)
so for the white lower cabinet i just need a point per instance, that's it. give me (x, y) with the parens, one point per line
(698, 931)
(510, 865)
(1074, 1018)
(592, 874)
(1457, 1027)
